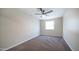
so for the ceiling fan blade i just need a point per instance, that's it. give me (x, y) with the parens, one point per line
(48, 12)
(38, 14)
(41, 9)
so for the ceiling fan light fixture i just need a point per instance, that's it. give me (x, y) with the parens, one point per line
(42, 16)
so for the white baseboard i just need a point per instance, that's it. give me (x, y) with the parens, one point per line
(5, 49)
(68, 44)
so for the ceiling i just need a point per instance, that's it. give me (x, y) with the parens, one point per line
(57, 12)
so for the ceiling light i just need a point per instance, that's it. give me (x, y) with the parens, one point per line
(42, 16)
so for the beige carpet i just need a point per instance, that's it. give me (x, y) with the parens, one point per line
(43, 43)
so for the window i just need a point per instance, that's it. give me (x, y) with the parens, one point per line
(49, 25)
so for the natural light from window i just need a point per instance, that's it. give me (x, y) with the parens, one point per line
(49, 25)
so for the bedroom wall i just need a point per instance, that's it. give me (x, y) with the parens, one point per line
(16, 27)
(71, 28)
(58, 27)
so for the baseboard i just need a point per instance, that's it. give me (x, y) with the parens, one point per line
(68, 44)
(5, 49)
(52, 36)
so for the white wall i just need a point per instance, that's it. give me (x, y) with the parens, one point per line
(58, 27)
(16, 27)
(71, 28)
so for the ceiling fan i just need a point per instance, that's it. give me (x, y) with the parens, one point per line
(43, 11)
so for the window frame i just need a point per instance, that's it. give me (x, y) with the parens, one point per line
(52, 25)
